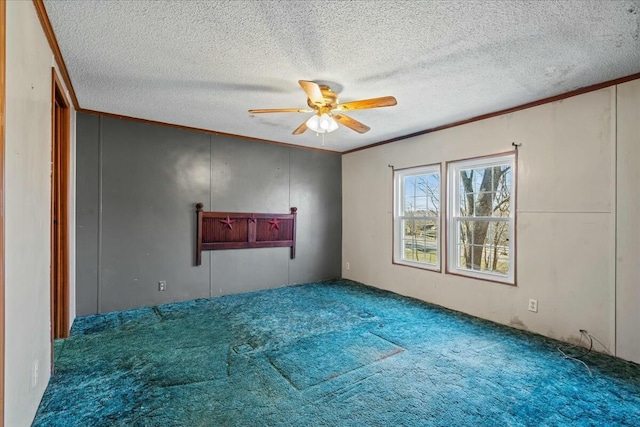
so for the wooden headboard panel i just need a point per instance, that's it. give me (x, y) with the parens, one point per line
(236, 230)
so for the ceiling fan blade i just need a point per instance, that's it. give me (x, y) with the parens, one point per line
(385, 101)
(301, 129)
(351, 123)
(313, 91)
(280, 110)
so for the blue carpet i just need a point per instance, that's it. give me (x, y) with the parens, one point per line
(334, 353)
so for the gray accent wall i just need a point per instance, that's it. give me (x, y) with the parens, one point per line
(87, 212)
(137, 185)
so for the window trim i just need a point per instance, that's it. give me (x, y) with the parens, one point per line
(396, 258)
(450, 245)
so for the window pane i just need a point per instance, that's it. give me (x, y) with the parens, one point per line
(502, 260)
(476, 257)
(430, 232)
(466, 204)
(483, 203)
(505, 172)
(420, 240)
(478, 177)
(425, 186)
(502, 203)
(408, 227)
(464, 257)
(483, 245)
(466, 230)
(478, 232)
(420, 250)
(409, 206)
(419, 226)
(409, 186)
(433, 208)
(433, 194)
(471, 180)
(495, 259)
(501, 233)
(421, 185)
(420, 206)
(485, 192)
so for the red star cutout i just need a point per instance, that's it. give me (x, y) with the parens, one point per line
(228, 222)
(252, 219)
(274, 223)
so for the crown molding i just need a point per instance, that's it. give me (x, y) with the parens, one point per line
(53, 43)
(542, 101)
(209, 131)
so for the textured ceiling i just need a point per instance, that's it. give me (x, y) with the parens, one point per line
(204, 64)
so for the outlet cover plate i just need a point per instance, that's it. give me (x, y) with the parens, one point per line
(533, 305)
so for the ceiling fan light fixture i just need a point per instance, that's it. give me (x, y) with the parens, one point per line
(325, 122)
(331, 123)
(322, 124)
(314, 123)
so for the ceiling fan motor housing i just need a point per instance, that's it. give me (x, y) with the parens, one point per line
(330, 100)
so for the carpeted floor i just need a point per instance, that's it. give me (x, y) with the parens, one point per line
(325, 354)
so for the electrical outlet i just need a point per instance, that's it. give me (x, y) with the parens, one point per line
(348, 266)
(162, 285)
(533, 305)
(34, 374)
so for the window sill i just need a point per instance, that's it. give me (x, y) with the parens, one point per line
(418, 265)
(484, 277)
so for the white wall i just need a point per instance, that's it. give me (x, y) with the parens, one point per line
(566, 237)
(27, 214)
(628, 235)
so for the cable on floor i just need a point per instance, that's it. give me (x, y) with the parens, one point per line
(578, 357)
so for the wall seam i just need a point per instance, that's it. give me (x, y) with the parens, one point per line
(289, 259)
(210, 208)
(615, 223)
(99, 261)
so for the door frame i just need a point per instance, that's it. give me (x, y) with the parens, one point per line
(60, 167)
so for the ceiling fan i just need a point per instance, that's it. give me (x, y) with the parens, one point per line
(328, 110)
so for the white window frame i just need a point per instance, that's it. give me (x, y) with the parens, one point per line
(453, 218)
(398, 216)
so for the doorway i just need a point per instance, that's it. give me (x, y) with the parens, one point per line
(59, 211)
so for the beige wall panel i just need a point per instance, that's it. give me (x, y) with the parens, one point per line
(27, 210)
(628, 233)
(566, 202)
(565, 262)
(566, 160)
(28, 158)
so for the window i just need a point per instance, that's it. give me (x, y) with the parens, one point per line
(481, 218)
(417, 217)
